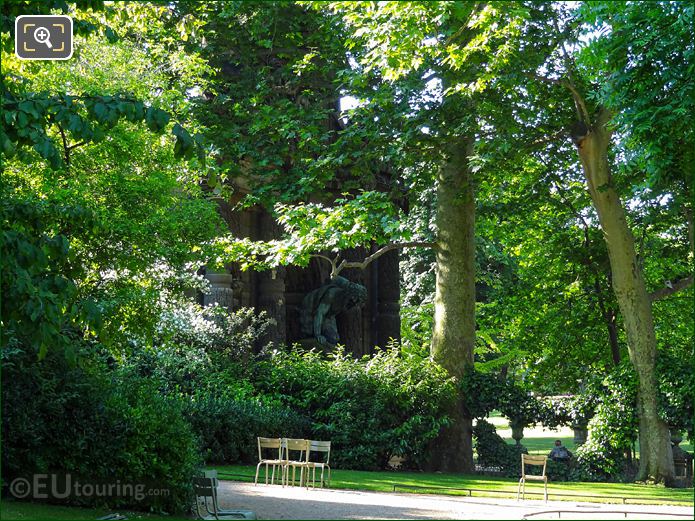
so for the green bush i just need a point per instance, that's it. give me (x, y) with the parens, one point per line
(199, 350)
(370, 409)
(213, 329)
(227, 427)
(79, 420)
(613, 429)
(494, 452)
(676, 380)
(486, 392)
(186, 370)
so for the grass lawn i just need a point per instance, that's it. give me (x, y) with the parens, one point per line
(33, 511)
(422, 482)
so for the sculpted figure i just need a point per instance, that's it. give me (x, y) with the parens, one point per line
(320, 307)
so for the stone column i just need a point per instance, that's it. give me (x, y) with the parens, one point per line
(271, 299)
(388, 317)
(270, 289)
(220, 290)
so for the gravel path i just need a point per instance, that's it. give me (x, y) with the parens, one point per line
(276, 502)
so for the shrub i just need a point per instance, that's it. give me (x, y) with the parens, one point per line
(157, 446)
(574, 410)
(186, 370)
(485, 392)
(212, 329)
(371, 409)
(676, 380)
(613, 429)
(494, 452)
(227, 427)
(199, 349)
(76, 419)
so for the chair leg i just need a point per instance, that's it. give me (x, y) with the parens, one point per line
(272, 476)
(545, 485)
(258, 468)
(518, 490)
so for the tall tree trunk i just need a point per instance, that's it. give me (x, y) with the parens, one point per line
(453, 338)
(610, 319)
(656, 460)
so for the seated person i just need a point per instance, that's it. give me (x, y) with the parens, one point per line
(560, 453)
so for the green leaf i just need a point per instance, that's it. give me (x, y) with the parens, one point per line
(156, 119)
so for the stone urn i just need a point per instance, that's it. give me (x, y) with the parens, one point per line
(682, 461)
(517, 431)
(581, 432)
(676, 436)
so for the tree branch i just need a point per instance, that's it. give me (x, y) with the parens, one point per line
(579, 103)
(381, 251)
(332, 261)
(76, 145)
(671, 288)
(66, 148)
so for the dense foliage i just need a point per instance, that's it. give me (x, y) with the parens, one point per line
(339, 119)
(59, 418)
(390, 404)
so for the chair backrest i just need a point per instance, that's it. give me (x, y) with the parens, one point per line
(297, 445)
(321, 446)
(270, 443)
(528, 459)
(212, 474)
(204, 487)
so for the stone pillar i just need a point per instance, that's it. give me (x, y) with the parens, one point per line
(271, 299)
(270, 289)
(220, 290)
(388, 313)
(354, 325)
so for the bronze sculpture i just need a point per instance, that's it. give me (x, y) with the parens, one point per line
(320, 307)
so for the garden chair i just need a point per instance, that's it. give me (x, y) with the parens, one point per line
(205, 490)
(274, 446)
(539, 461)
(322, 447)
(296, 456)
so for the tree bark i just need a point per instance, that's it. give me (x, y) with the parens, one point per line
(656, 461)
(453, 338)
(610, 319)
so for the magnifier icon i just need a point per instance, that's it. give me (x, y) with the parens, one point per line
(43, 35)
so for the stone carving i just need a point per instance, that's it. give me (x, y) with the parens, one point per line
(320, 307)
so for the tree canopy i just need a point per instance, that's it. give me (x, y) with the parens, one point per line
(531, 162)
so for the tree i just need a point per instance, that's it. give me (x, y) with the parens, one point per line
(623, 93)
(109, 222)
(458, 47)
